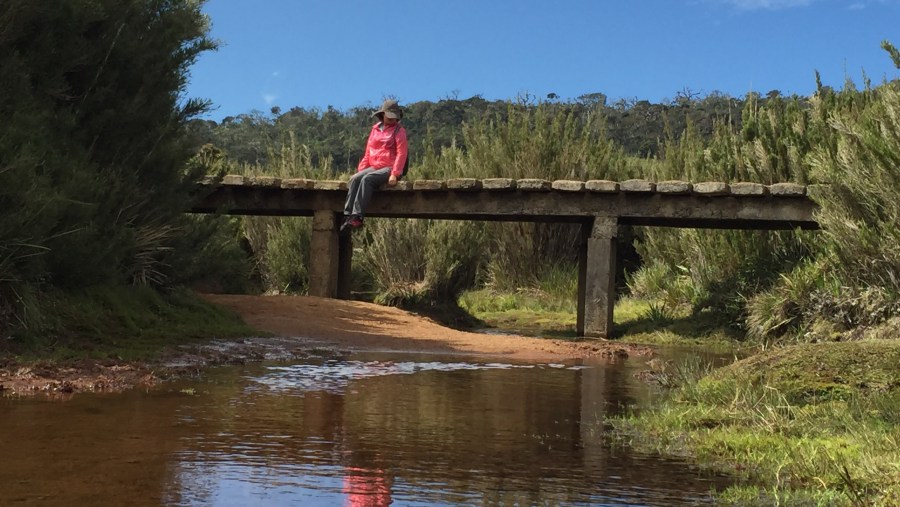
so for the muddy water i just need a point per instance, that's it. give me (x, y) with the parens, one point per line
(364, 430)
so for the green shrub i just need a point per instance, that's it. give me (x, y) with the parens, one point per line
(416, 262)
(286, 259)
(859, 209)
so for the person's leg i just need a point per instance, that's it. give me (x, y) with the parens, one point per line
(353, 190)
(370, 183)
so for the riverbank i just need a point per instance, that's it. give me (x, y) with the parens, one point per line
(290, 327)
(807, 424)
(803, 424)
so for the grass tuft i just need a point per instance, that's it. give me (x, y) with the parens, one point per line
(809, 424)
(117, 322)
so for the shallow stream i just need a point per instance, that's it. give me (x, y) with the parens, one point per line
(367, 429)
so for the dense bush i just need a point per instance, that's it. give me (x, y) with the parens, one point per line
(777, 284)
(855, 279)
(94, 172)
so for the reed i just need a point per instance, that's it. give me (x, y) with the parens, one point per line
(859, 208)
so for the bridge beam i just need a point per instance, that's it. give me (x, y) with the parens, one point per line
(597, 277)
(330, 257)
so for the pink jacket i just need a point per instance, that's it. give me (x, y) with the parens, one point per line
(385, 148)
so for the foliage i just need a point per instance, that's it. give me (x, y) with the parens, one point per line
(775, 311)
(115, 322)
(279, 251)
(719, 269)
(847, 139)
(93, 149)
(422, 262)
(543, 141)
(208, 256)
(396, 259)
(853, 281)
(285, 264)
(433, 126)
(859, 208)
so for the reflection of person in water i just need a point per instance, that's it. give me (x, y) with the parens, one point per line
(367, 487)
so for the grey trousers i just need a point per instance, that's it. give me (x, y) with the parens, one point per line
(361, 187)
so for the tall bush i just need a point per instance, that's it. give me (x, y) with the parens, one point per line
(550, 142)
(720, 270)
(860, 209)
(422, 262)
(92, 145)
(855, 279)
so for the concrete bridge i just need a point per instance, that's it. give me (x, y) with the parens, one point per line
(600, 206)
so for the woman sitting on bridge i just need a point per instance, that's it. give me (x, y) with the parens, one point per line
(384, 161)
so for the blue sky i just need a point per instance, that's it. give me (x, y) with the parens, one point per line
(347, 53)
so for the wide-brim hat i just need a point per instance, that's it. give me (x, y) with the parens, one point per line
(391, 109)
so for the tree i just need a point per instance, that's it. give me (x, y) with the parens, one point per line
(92, 136)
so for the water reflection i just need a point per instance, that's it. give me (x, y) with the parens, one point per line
(367, 488)
(369, 431)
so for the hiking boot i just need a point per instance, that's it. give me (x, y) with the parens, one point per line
(352, 222)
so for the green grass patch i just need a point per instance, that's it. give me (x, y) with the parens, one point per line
(652, 323)
(530, 312)
(807, 372)
(128, 323)
(534, 312)
(815, 424)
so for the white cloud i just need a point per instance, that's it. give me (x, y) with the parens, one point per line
(752, 5)
(269, 98)
(772, 5)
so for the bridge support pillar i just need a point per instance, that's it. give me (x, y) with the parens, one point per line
(345, 265)
(597, 277)
(330, 257)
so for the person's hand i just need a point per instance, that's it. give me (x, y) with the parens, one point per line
(392, 181)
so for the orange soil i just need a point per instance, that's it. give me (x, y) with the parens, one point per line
(308, 322)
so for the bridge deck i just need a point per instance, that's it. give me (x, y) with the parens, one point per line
(633, 202)
(599, 206)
